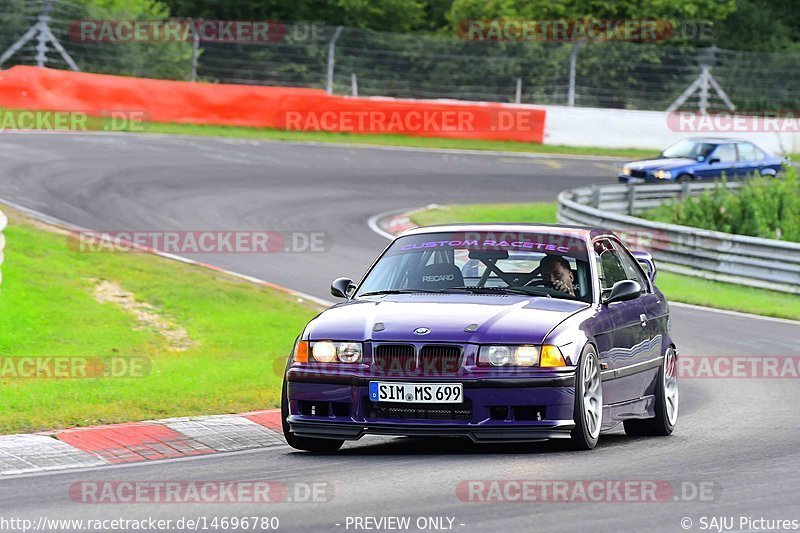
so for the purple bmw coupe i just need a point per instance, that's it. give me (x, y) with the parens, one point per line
(499, 333)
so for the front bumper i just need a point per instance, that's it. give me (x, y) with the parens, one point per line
(495, 409)
(623, 178)
(353, 431)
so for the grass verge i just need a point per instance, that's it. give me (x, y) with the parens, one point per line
(678, 288)
(241, 334)
(390, 140)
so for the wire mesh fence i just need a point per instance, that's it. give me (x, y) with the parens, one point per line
(622, 75)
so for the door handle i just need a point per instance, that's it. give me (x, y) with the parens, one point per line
(643, 318)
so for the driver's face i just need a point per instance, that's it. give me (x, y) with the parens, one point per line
(556, 274)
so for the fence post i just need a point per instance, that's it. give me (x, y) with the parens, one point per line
(631, 198)
(354, 84)
(685, 190)
(41, 37)
(3, 222)
(195, 56)
(573, 58)
(518, 95)
(595, 196)
(331, 50)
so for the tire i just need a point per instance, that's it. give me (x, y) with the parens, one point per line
(588, 412)
(308, 444)
(684, 178)
(667, 402)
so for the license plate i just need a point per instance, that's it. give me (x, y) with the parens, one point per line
(383, 391)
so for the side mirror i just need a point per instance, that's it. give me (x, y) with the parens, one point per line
(713, 160)
(342, 287)
(647, 262)
(624, 290)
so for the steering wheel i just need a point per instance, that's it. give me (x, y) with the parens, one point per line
(538, 283)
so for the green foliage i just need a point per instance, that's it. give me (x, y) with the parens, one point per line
(601, 9)
(762, 25)
(165, 60)
(762, 207)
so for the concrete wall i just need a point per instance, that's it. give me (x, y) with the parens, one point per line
(620, 128)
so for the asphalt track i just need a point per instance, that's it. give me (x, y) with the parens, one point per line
(739, 436)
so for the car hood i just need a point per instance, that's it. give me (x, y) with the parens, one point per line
(499, 318)
(665, 163)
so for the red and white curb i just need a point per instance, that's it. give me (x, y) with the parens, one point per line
(139, 441)
(393, 223)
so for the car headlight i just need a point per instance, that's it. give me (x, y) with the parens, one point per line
(508, 355)
(663, 174)
(349, 352)
(626, 170)
(329, 352)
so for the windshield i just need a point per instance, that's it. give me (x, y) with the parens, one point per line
(546, 265)
(689, 149)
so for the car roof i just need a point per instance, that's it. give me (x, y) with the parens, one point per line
(584, 232)
(718, 140)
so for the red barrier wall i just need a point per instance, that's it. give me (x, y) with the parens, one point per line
(34, 88)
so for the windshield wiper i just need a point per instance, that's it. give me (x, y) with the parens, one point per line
(399, 291)
(527, 291)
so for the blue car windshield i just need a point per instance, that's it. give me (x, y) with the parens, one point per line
(689, 149)
(537, 264)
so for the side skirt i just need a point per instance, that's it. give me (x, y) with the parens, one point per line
(639, 408)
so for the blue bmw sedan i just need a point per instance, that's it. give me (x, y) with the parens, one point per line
(704, 159)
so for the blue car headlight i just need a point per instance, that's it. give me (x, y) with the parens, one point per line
(330, 352)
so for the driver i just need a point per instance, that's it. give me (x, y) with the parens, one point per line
(557, 273)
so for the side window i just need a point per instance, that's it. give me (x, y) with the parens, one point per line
(632, 270)
(616, 265)
(747, 152)
(726, 153)
(608, 259)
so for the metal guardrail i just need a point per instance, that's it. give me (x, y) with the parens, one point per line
(3, 222)
(751, 261)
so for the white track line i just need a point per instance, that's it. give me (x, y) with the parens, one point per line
(333, 144)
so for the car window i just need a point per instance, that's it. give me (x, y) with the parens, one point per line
(434, 262)
(632, 270)
(747, 152)
(726, 153)
(609, 263)
(690, 149)
(616, 265)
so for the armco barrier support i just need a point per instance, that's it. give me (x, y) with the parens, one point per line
(751, 261)
(23, 87)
